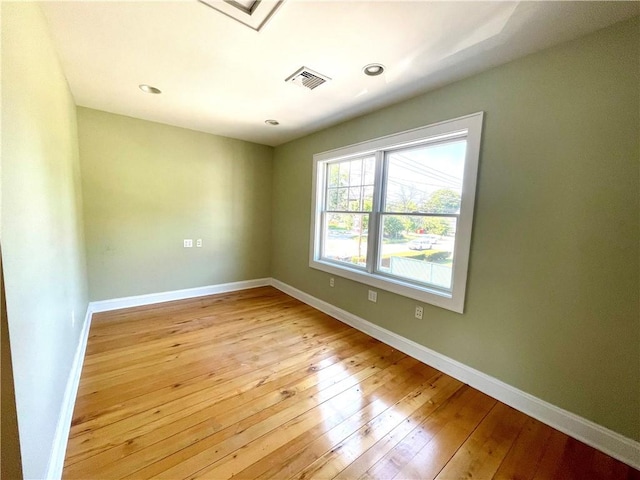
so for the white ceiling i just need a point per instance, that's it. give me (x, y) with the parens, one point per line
(220, 76)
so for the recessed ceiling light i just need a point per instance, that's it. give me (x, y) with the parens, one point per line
(149, 89)
(373, 69)
(272, 122)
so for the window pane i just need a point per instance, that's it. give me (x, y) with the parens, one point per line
(337, 199)
(425, 179)
(343, 177)
(367, 199)
(355, 199)
(333, 174)
(369, 170)
(418, 248)
(355, 172)
(345, 238)
(346, 190)
(332, 199)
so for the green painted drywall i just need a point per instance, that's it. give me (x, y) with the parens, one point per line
(42, 233)
(147, 186)
(552, 302)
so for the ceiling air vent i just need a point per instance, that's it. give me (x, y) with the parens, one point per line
(305, 77)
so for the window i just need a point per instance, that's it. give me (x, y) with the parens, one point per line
(396, 212)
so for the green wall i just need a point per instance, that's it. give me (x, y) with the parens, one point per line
(43, 252)
(552, 301)
(148, 186)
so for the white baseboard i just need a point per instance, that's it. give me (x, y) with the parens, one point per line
(56, 458)
(605, 440)
(618, 446)
(140, 300)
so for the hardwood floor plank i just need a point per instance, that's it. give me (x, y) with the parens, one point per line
(254, 385)
(123, 318)
(424, 452)
(483, 452)
(208, 328)
(92, 441)
(231, 388)
(550, 461)
(200, 360)
(417, 405)
(310, 445)
(196, 343)
(606, 468)
(183, 378)
(441, 390)
(154, 318)
(576, 461)
(223, 385)
(258, 448)
(525, 456)
(198, 455)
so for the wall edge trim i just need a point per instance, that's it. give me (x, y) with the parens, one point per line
(152, 298)
(607, 441)
(61, 438)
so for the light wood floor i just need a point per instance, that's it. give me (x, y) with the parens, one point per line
(256, 384)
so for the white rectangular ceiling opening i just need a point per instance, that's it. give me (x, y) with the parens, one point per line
(252, 13)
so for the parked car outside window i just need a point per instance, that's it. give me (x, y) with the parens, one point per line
(421, 244)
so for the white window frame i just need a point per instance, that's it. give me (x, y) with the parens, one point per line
(471, 127)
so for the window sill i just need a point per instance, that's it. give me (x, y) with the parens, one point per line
(435, 297)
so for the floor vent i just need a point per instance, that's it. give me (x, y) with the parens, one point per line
(305, 77)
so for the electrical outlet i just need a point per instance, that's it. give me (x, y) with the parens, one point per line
(188, 243)
(373, 296)
(332, 282)
(199, 242)
(419, 311)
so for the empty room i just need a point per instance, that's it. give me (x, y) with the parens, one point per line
(320, 239)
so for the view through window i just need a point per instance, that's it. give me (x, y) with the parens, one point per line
(394, 214)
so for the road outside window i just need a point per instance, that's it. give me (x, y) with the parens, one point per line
(396, 212)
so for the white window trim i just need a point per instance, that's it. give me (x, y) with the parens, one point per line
(454, 300)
